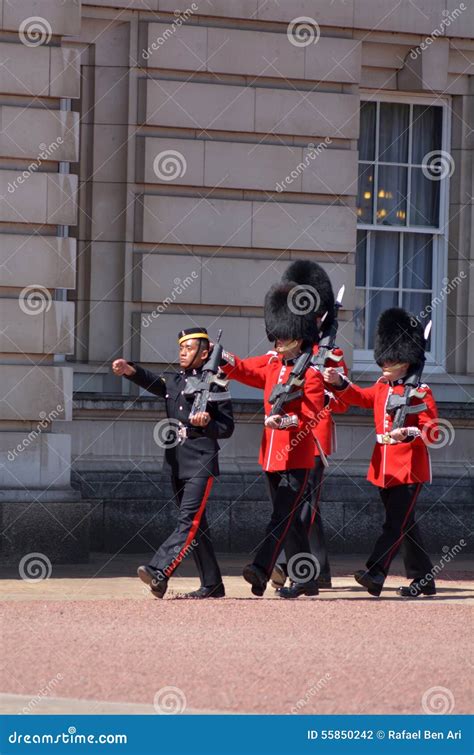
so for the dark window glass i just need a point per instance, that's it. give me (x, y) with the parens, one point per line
(367, 131)
(394, 130)
(424, 199)
(384, 260)
(361, 254)
(392, 195)
(417, 260)
(365, 199)
(427, 132)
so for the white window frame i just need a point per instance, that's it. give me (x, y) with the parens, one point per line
(436, 358)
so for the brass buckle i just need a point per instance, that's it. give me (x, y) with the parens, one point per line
(386, 439)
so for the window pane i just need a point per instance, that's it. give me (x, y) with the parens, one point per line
(367, 131)
(417, 260)
(378, 301)
(361, 253)
(359, 319)
(427, 131)
(365, 199)
(384, 260)
(421, 306)
(391, 196)
(424, 199)
(393, 139)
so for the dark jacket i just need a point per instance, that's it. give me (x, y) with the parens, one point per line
(198, 455)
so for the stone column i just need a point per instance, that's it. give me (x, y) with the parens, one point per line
(460, 319)
(41, 516)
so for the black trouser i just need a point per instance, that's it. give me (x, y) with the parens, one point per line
(310, 514)
(285, 490)
(400, 530)
(191, 534)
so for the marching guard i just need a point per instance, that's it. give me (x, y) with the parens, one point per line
(193, 461)
(405, 417)
(310, 274)
(287, 447)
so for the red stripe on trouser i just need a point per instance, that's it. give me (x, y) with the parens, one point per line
(290, 519)
(194, 528)
(407, 515)
(314, 510)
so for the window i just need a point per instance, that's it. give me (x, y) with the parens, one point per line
(404, 171)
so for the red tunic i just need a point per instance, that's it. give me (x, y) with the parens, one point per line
(292, 448)
(407, 461)
(325, 430)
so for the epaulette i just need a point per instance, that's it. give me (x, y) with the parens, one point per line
(419, 392)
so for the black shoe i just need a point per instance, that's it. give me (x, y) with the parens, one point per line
(373, 583)
(256, 577)
(217, 591)
(416, 588)
(324, 583)
(278, 577)
(299, 588)
(150, 577)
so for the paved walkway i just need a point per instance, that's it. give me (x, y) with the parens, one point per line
(92, 639)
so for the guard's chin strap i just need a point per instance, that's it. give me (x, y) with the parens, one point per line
(198, 352)
(289, 347)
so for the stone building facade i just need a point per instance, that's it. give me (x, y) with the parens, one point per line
(160, 165)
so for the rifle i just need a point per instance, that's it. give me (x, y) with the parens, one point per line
(289, 391)
(282, 393)
(328, 342)
(400, 405)
(200, 386)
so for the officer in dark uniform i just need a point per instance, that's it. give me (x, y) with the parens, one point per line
(191, 455)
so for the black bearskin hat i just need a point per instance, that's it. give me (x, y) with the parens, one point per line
(306, 272)
(289, 313)
(399, 338)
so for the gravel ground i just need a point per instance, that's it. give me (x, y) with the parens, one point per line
(342, 653)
